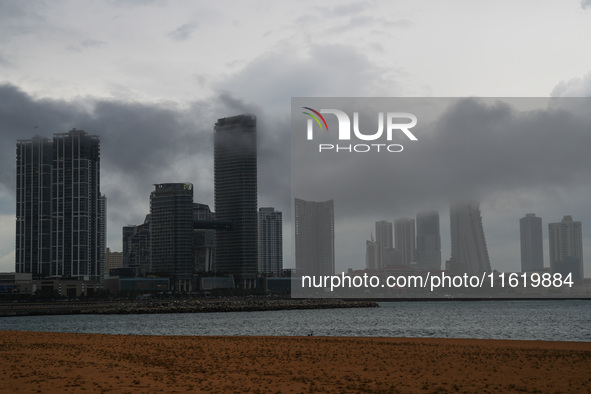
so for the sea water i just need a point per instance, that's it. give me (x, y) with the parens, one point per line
(565, 320)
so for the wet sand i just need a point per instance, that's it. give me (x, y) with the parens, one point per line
(58, 362)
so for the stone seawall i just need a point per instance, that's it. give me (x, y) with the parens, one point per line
(177, 306)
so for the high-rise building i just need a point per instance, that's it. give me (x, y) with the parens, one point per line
(384, 240)
(77, 207)
(136, 246)
(204, 225)
(235, 187)
(102, 236)
(34, 161)
(469, 253)
(428, 240)
(314, 237)
(371, 254)
(404, 234)
(114, 260)
(270, 241)
(171, 233)
(566, 247)
(532, 244)
(61, 214)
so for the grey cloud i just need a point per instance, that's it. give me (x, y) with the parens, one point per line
(585, 3)
(93, 44)
(20, 18)
(12, 9)
(86, 44)
(368, 22)
(183, 32)
(5, 62)
(141, 144)
(575, 87)
(346, 9)
(275, 77)
(138, 3)
(335, 70)
(473, 149)
(398, 23)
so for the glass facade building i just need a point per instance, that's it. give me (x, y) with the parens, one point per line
(235, 187)
(171, 233)
(61, 214)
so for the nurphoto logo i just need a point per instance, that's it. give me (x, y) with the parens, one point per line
(393, 126)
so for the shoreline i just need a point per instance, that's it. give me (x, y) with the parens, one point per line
(177, 306)
(134, 363)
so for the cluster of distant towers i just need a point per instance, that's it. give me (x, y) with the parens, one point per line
(469, 252)
(61, 215)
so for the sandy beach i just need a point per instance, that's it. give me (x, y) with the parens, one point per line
(58, 362)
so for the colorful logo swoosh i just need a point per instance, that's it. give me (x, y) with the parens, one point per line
(316, 117)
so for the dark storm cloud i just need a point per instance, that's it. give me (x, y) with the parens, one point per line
(141, 144)
(475, 148)
(515, 156)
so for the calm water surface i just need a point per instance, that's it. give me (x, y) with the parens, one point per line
(568, 320)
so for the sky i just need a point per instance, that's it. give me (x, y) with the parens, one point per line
(152, 77)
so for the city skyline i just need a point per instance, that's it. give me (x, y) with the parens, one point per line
(40, 140)
(155, 124)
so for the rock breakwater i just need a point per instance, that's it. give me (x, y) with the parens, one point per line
(233, 304)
